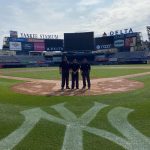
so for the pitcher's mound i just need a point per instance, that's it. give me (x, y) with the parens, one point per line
(99, 87)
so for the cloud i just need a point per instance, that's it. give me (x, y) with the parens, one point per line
(48, 16)
(120, 15)
(86, 5)
(88, 2)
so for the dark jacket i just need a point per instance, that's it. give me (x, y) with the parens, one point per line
(65, 66)
(75, 67)
(85, 67)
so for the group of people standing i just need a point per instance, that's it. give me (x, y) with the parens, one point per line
(66, 68)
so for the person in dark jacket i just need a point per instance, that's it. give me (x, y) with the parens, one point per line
(75, 67)
(85, 72)
(64, 69)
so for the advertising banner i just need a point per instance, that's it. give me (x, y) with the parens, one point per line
(39, 46)
(119, 43)
(54, 45)
(103, 43)
(27, 46)
(120, 32)
(99, 47)
(35, 40)
(130, 42)
(17, 40)
(54, 49)
(15, 46)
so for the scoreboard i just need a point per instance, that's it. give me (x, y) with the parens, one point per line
(79, 41)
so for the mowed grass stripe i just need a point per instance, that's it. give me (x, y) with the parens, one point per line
(47, 135)
(51, 74)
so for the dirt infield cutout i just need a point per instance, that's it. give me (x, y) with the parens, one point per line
(99, 86)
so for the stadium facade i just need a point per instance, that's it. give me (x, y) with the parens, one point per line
(27, 43)
(118, 40)
(107, 49)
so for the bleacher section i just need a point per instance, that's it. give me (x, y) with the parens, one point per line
(131, 57)
(22, 61)
(30, 59)
(8, 59)
(37, 61)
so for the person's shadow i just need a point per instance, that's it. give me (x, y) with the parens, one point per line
(78, 92)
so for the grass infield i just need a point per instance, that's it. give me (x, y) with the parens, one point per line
(49, 136)
(53, 73)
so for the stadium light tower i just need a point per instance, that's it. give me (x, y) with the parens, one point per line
(148, 32)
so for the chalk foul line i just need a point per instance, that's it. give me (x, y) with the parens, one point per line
(132, 139)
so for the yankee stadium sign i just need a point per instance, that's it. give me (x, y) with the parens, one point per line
(36, 36)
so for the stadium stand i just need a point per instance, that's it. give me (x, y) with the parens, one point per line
(42, 61)
(22, 61)
(132, 57)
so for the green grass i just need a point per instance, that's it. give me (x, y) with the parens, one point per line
(49, 136)
(53, 73)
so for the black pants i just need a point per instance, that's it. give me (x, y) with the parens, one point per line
(86, 78)
(65, 79)
(75, 80)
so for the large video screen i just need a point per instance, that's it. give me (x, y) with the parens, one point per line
(54, 44)
(79, 41)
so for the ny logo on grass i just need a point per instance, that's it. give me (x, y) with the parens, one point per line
(131, 138)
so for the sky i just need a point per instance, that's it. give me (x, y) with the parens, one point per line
(59, 16)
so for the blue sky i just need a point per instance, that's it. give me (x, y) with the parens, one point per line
(59, 16)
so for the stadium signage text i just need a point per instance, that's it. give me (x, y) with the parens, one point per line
(41, 36)
(119, 32)
(55, 49)
(119, 43)
(98, 47)
(131, 138)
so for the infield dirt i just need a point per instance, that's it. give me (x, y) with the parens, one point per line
(99, 86)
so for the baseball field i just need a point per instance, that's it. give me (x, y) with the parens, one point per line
(113, 115)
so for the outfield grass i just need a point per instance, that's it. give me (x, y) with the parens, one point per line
(53, 73)
(49, 136)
